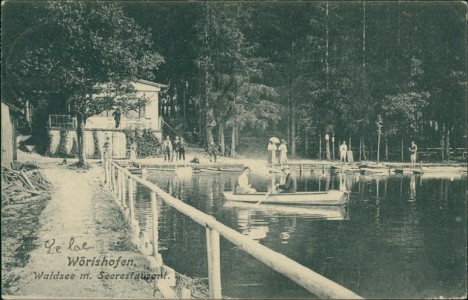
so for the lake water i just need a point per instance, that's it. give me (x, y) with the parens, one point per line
(400, 235)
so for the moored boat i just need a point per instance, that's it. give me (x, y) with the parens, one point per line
(220, 170)
(373, 170)
(453, 169)
(351, 169)
(331, 197)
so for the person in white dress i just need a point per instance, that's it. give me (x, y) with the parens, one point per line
(243, 185)
(272, 148)
(343, 150)
(283, 148)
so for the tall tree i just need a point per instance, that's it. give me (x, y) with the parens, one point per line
(91, 53)
(232, 91)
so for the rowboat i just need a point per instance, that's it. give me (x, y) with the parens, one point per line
(331, 197)
(373, 170)
(453, 169)
(137, 171)
(345, 168)
(329, 212)
(220, 170)
(408, 171)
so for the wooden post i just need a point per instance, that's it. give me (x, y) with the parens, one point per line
(106, 176)
(131, 185)
(117, 182)
(113, 179)
(154, 210)
(110, 177)
(124, 189)
(214, 263)
(119, 186)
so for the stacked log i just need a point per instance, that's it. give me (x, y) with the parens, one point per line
(25, 193)
(19, 185)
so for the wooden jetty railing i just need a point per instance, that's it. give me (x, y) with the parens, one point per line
(118, 179)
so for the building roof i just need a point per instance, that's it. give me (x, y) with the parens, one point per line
(12, 107)
(159, 85)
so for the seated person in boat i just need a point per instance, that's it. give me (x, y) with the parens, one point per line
(290, 184)
(243, 185)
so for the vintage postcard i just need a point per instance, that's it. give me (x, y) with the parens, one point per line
(234, 149)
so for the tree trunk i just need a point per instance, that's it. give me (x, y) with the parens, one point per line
(378, 147)
(237, 136)
(364, 149)
(360, 148)
(80, 132)
(221, 137)
(327, 69)
(233, 141)
(208, 124)
(293, 130)
(447, 143)
(364, 34)
(386, 148)
(320, 147)
(209, 134)
(327, 149)
(333, 148)
(402, 147)
(306, 143)
(442, 142)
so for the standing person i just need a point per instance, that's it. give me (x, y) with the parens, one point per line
(182, 146)
(343, 150)
(133, 153)
(105, 148)
(243, 185)
(290, 184)
(283, 149)
(117, 114)
(176, 148)
(272, 148)
(212, 149)
(167, 149)
(413, 150)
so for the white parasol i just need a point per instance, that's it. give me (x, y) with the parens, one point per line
(274, 140)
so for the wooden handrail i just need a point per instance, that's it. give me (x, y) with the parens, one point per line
(303, 276)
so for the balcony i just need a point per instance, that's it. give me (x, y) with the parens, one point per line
(62, 121)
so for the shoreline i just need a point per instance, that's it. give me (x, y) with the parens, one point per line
(86, 223)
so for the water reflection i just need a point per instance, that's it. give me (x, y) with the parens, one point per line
(412, 196)
(399, 230)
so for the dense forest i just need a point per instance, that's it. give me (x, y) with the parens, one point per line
(313, 73)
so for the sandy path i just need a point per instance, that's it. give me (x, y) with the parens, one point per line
(82, 210)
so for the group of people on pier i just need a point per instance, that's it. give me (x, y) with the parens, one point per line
(174, 149)
(344, 152)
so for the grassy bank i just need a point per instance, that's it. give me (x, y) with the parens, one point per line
(25, 193)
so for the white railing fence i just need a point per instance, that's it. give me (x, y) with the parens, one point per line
(62, 121)
(119, 180)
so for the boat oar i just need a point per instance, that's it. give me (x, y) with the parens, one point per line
(266, 197)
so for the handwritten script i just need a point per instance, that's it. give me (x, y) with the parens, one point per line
(54, 247)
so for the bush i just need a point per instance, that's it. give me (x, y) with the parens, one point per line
(62, 146)
(97, 148)
(147, 143)
(74, 149)
(47, 148)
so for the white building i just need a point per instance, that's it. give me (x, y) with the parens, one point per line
(103, 125)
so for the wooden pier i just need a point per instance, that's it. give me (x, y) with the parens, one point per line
(119, 180)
